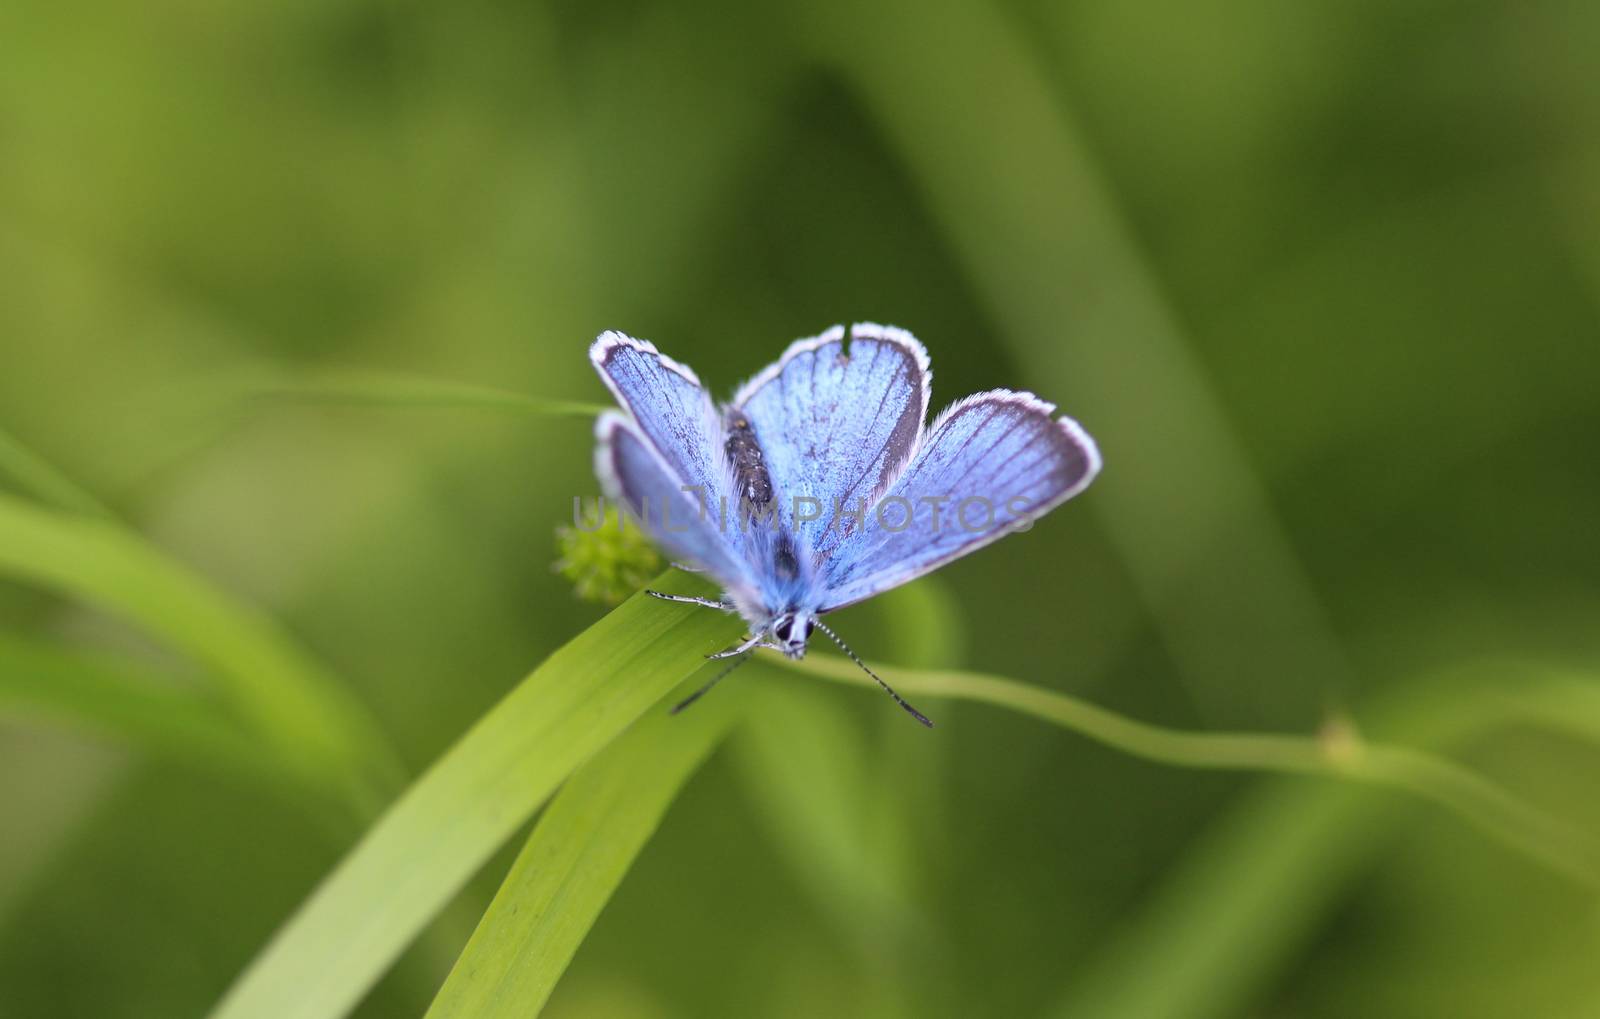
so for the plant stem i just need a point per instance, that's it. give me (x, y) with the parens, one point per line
(1336, 753)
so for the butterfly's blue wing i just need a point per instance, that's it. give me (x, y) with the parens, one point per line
(837, 426)
(637, 477)
(672, 410)
(991, 463)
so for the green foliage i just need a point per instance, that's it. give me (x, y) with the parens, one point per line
(387, 390)
(127, 703)
(404, 871)
(300, 712)
(1316, 657)
(426, 846)
(1338, 753)
(458, 813)
(579, 852)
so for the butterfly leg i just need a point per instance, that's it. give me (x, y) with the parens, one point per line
(685, 599)
(738, 649)
(687, 567)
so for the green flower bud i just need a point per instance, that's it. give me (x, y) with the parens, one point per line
(608, 563)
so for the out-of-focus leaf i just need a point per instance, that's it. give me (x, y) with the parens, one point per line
(464, 807)
(1338, 753)
(41, 479)
(301, 711)
(386, 390)
(576, 857)
(114, 699)
(842, 814)
(811, 778)
(1257, 883)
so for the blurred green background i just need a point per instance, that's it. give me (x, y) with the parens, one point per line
(1322, 277)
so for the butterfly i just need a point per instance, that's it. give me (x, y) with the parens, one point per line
(819, 485)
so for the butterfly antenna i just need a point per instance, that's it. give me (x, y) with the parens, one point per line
(713, 681)
(913, 712)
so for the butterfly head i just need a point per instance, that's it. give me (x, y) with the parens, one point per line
(791, 630)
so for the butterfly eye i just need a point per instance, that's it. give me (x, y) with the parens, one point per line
(811, 624)
(784, 628)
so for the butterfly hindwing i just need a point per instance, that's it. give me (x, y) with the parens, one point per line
(991, 463)
(837, 425)
(672, 410)
(636, 477)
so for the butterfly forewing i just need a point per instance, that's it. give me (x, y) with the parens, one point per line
(636, 476)
(670, 407)
(836, 426)
(990, 464)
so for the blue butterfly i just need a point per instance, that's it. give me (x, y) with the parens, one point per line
(818, 486)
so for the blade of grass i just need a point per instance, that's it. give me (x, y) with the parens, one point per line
(394, 390)
(576, 857)
(308, 718)
(1339, 754)
(1235, 908)
(850, 806)
(116, 699)
(811, 778)
(464, 807)
(1255, 886)
(40, 479)
(810, 773)
(815, 782)
(1252, 891)
(921, 625)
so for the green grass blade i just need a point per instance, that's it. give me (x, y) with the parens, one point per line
(576, 857)
(40, 682)
(1342, 755)
(304, 713)
(39, 478)
(814, 781)
(1237, 906)
(1259, 883)
(811, 777)
(455, 816)
(390, 390)
(850, 808)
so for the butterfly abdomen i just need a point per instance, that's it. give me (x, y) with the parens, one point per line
(753, 485)
(751, 481)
